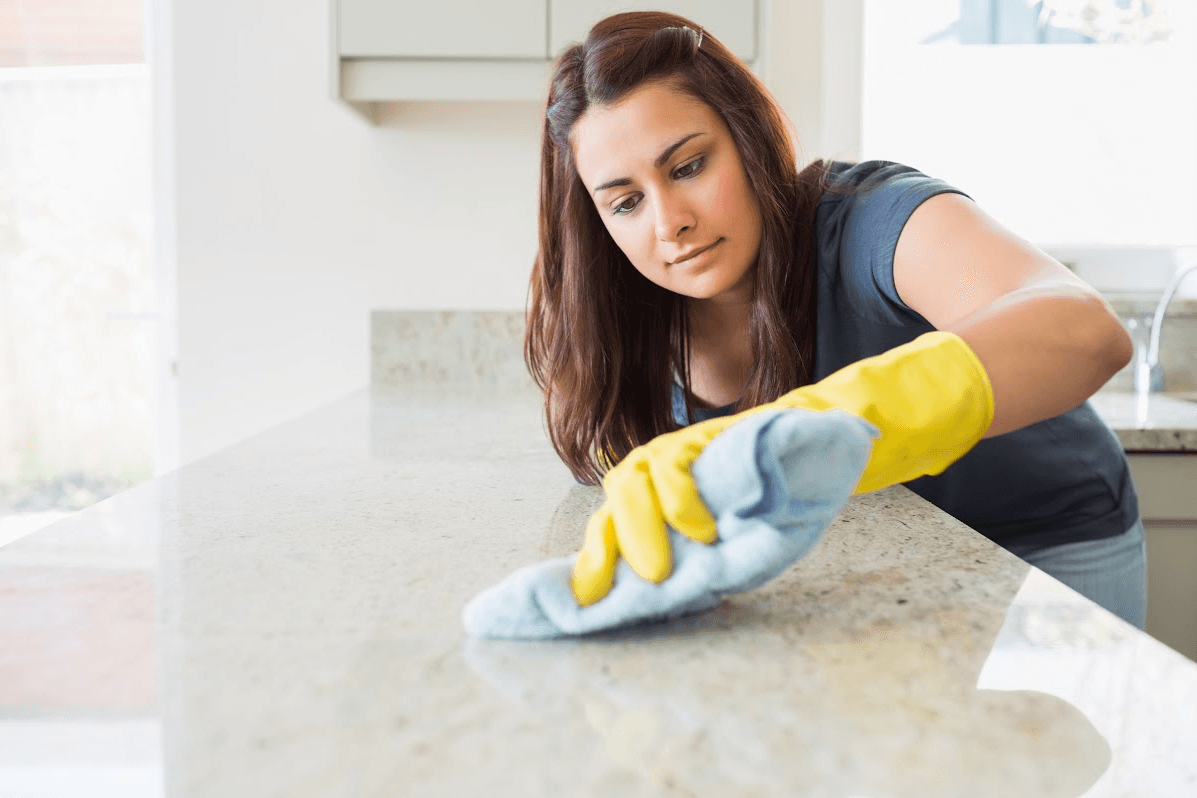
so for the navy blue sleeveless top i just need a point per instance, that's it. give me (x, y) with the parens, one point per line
(1061, 480)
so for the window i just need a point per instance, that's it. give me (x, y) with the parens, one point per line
(1054, 22)
(1088, 142)
(77, 335)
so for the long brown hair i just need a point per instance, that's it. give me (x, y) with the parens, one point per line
(603, 342)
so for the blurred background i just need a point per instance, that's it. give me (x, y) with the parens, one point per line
(77, 304)
(196, 214)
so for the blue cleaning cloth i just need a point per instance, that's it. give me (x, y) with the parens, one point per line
(773, 482)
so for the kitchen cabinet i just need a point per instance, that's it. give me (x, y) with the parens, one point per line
(445, 29)
(392, 51)
(1167, 488)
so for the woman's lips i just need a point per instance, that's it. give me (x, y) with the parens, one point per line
(699, 257)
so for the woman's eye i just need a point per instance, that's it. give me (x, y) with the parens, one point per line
(690, 169)
(627, 206)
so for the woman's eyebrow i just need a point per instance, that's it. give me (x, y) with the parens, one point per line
(661, 159)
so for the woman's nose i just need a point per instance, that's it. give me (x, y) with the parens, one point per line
(674, 217)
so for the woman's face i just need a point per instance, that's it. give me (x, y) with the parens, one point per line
(664, 173)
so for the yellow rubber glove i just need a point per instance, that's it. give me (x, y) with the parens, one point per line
(931, 400)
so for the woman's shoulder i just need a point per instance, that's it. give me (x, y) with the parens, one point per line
(850, 178)
(861, 196)
(857, 229)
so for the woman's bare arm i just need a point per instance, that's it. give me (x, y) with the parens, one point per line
(1046, 338)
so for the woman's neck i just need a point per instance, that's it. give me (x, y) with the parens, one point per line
(720, 350)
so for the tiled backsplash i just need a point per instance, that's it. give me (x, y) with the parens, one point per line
(485, 348)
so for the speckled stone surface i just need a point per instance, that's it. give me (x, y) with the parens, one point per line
(1154, 423)
(484, 348)
(284, 617)
(1138, 303)
(410, 347)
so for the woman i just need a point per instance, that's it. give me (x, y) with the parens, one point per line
(689, 272)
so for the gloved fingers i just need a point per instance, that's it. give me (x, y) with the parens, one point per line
(639, 528)
(594, 568)
(681, 504)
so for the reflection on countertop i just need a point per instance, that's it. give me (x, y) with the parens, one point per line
(79, 643)
(289, 613)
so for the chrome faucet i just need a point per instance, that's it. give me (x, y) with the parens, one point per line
(1149, 375)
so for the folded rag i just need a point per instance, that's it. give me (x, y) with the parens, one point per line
(773, 482)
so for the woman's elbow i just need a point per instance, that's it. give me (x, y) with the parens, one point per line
(1100, 345)
(1113, 348)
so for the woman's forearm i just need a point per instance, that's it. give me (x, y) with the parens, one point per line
(1046, 350)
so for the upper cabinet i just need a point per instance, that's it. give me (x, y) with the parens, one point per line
(443, 29)
(399, 50)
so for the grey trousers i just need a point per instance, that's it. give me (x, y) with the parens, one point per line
(1111, 572)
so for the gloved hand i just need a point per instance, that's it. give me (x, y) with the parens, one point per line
(931, 400)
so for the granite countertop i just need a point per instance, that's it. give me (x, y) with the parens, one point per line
(1158, 422)
(283, 619)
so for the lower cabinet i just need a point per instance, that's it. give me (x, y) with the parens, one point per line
(1167, 488)
(1172, 584)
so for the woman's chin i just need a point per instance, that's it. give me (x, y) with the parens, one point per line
(715, 289)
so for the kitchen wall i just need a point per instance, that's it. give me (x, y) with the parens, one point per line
(286, 217)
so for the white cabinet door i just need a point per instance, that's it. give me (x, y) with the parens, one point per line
(733, 21)
(1171, 584)
(443, 29)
